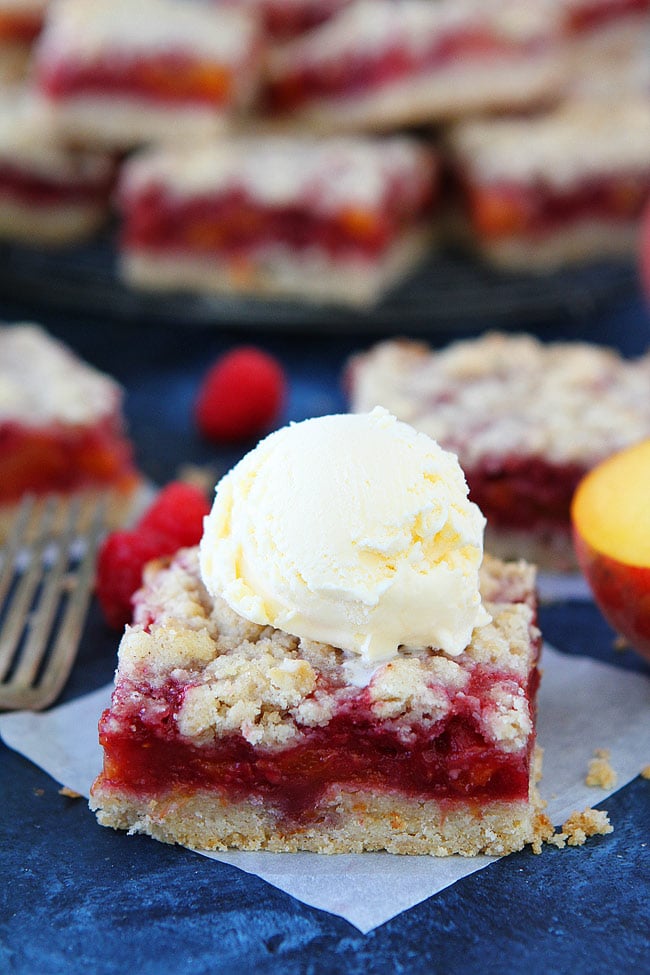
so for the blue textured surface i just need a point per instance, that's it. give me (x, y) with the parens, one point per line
(78, 898)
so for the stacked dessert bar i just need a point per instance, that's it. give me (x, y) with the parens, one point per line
(50, 193)
(339, 219)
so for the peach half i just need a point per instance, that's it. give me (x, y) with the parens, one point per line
(610, 515)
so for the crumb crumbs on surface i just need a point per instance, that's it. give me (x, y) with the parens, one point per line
(69, 793)
(621, 644)
(645, 772)
(600, 773)
(39, 792)
(574, 831)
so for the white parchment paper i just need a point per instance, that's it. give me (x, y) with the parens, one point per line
(583, 705)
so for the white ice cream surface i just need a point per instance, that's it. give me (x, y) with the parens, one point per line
(353, 530)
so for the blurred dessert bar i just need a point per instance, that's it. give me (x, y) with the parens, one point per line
(568, 186)
(122, 74)
(61, 425)
(339, 220)
(385, 63)
(50, 194)
(527, 420)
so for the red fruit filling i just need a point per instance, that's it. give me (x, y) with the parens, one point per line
(241, 396)
(233, 226)
(166, 77)
(504, 209)
(61, 458)
(370, 70)
(593, 13)
(451, 761)
(285, 20)
(38, 191)
(525, 492)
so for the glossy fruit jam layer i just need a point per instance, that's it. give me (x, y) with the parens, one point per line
(286, 20)
(61, 458)
(39, 191)
(166, 77)
(231, 224)
(524, 492)
(368, 70)
(145, 756)
(595, 13)
(504, 210)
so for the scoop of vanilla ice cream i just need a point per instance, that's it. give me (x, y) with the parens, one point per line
(353, 530)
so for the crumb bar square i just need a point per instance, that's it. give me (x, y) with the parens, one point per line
(223, 733)
(337, 220)
(62, 430)
(381, 64)
(527, 420)
(50, 194)
(120, 74)
(564, 187)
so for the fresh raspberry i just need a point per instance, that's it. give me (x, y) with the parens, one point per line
(174, 520)
(241, 396)
(177, 515)
(120, 562)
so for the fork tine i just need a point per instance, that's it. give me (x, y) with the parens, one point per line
(39, 621)
(66, 644)
(37, 632)
(24, 594)
(16, 541)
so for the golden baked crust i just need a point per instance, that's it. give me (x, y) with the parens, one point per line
(348, 822)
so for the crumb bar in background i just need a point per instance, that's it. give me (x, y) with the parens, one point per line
(389, 63)
(336, 220)
(570, 186)
(222, 733)
(120, 74)
(50, 194)
(526, 419)
(61, 425)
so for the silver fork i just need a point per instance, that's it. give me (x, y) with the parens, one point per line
(46, 580)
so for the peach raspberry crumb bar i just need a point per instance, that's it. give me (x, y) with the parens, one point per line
(223, 733)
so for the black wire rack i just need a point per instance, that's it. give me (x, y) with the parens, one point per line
(445, 292)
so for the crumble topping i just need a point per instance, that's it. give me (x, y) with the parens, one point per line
(42, 381)
(239, 676)
(600, 773)
(28, 142)
(371, 25)
(552, 149)
(81, 32)
(575, 831)
(279, 171)
(509, 395)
